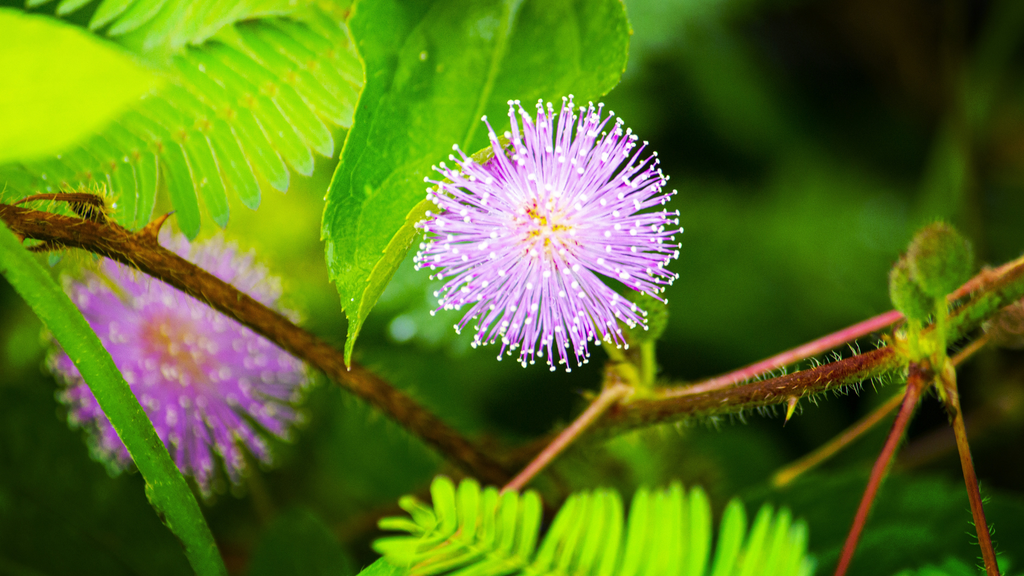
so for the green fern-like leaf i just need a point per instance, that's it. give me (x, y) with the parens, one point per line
(166, 26)
(249, 105)
(470, 531)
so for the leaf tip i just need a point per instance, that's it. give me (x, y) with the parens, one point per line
(354, 325)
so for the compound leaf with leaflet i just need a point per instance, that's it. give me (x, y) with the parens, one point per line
(470, 530)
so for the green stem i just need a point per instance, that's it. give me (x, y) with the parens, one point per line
(166, 489)
(648, 364)
(941, 339)
(941, 326)
(622, 366)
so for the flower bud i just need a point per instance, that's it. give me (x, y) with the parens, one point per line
(940, 259)
(906, 295)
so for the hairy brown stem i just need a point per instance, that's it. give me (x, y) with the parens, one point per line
(992, 290)
(917, 381)
(823, 344)
(140, 250)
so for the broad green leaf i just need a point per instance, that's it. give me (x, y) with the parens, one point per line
(432, 70)
(165, 486)
(60, 85)
(385, 267)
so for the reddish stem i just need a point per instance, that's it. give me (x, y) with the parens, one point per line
(832, 447)
(831, 341)
(986, 276)
(823, 344)
(916, 383)
(988, 552)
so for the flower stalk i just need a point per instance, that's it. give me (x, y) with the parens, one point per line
(952, 395)
(608, 397)
(918, 380)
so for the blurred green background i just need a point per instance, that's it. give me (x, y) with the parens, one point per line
(808, 139)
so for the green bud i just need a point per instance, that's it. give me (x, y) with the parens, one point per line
(657, 319)
(940, 259)
(906, 295)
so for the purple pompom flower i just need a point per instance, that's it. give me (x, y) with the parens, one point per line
(206, 382)
(525, 238)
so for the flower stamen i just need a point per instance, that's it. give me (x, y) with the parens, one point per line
(528, 235)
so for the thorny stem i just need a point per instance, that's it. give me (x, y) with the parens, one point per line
(819, 346)
(988, 553)
(791, 471)
(648, 364)
(917, 381)
(993, 289)
(605, 400)
(141, 250)
(641, 412)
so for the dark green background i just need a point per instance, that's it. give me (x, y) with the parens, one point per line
(807, 139)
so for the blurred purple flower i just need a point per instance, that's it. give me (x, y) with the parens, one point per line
(206, 382)
(525, 238)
